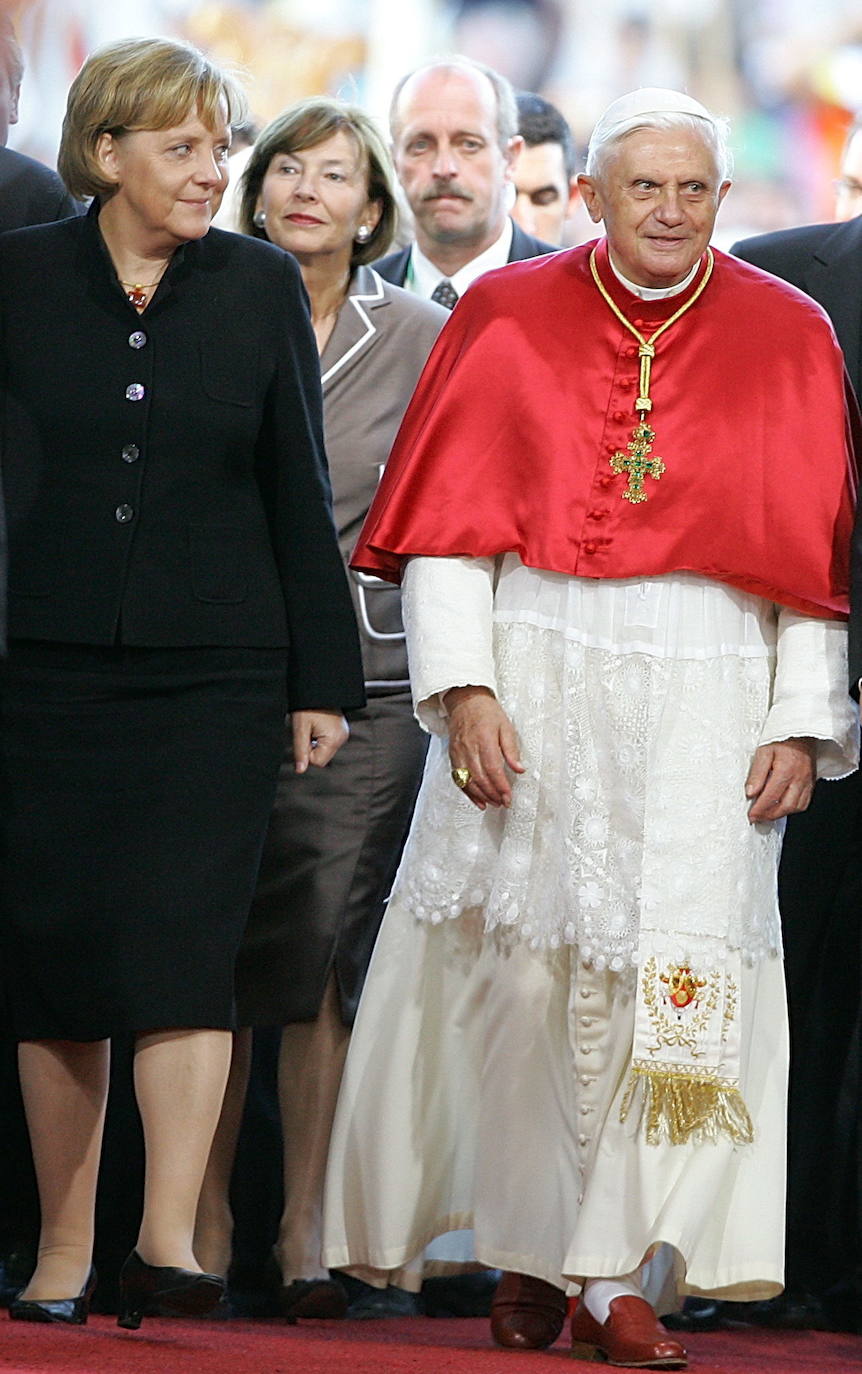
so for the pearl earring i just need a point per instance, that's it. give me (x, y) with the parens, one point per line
(259, 218)
(363, 234)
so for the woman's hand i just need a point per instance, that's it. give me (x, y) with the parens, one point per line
(483, 740)
(317, 737)
(780, 779)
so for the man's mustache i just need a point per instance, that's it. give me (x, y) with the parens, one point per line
(447, 188)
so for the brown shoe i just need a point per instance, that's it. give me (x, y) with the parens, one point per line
(526, 1313)
(632, 1337)
(312, 1298)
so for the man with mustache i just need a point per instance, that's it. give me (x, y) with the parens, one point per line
(455, 141)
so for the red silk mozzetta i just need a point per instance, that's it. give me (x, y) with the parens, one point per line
(529, 391)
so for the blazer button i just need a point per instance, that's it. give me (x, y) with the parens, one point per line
(137, 338)
(131, 453)
(589, 547)
(135, 392)
(123, 514)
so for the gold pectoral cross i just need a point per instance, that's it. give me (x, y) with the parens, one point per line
(637, 462)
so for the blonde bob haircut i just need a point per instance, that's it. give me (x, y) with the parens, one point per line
(305, 125)
(139, 83)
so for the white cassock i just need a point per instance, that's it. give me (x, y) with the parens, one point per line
(493, 1047)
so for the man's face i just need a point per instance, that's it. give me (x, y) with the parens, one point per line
(658, 193)
(8, 103)
(449, 159)
(544, 197)
(848, 188)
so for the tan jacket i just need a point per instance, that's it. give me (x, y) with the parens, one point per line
(370, 367)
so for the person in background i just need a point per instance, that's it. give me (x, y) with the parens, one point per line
(546, 172)
(454, 128)
(633, 665)
(30, 193)
(175, 586)
(242, 142)
(320, 184)
(820, 889)
(848, 184)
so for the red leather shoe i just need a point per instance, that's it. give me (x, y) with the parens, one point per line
(632, 1337)
(526, 1313)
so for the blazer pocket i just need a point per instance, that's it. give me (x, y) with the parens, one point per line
(228, 375)
(381, 632)
(219, 558)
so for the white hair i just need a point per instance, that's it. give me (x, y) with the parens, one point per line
(712, 129)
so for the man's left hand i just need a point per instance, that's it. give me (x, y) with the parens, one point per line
(780, 779)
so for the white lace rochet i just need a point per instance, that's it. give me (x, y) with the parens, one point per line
(638, 707)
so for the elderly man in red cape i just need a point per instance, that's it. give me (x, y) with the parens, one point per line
(621, 508)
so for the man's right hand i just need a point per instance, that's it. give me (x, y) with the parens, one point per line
(483, 740)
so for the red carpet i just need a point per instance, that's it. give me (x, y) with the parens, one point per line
(416, 1345)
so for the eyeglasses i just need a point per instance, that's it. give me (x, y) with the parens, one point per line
(847, 186)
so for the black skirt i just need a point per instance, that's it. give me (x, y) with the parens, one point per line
(135, 789)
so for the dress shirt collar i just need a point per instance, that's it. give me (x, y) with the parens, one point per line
(423, 277)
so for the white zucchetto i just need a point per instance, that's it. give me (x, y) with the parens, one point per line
(649, 100)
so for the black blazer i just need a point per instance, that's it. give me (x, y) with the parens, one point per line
(393, 268)
(825, 260)
(165, 474)
(30, 193)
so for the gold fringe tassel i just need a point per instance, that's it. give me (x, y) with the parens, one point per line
(684, 1107)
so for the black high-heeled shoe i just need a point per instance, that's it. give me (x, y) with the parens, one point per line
(153, 1290)
(71, 1311)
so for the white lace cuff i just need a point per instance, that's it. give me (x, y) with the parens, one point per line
(447, 610)
(810, 696)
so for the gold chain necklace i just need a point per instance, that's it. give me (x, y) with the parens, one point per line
(637, 462)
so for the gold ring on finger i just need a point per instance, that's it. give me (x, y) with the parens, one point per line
(461, 777)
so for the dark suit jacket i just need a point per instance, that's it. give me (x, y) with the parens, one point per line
(825, 260)
(165, 474)
(30, 193)
(819, 886)
(393, 268)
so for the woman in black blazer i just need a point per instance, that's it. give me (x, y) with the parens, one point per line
(175, 585)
